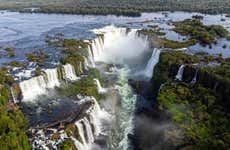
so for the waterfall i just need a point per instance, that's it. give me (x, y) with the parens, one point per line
(13, 95)
(78, 144)
(146, 41)
(86, 63)
(152, 62)
(32, 88)
(52, 78)
(49, 80)
(70, 73)
(116, 44)
(99, 87)
(81, 131)
(179, 75)
(91, 56)
(89, 127)
(95, 122)
(90, 135)
(194, 78)
(97, 48)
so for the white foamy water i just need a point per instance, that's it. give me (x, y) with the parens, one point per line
(180, 72)
(99, 87)
(40, 85)
(194, 78)
(152, 63)
(117, 45)
(70, 73)
(90, 127)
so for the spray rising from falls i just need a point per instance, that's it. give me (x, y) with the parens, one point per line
(114, 45)
(48, 80)
(180, 73)
(152, 63)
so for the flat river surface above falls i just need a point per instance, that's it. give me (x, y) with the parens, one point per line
(27, 32)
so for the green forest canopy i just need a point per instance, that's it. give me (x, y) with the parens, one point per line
(119, 6)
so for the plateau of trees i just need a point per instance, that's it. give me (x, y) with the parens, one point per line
(117, 7)
(12, 121)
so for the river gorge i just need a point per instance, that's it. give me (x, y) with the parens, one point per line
(94, 80)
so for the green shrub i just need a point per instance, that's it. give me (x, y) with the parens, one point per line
(67, 145)
(85, 86)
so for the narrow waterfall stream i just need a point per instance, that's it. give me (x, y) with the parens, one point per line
(152, 62)
(180, 72)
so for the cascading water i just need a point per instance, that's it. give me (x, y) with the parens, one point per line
(152, 62)
(91, 57)
(179, 75)
(96, 123)
(100, 88)
(38, 85)
(194, 78)
(51, 76)
(32, 88)
(89, 127)
(81, 132)
(113, 37)
(70, 73)
(90, 135)
(13, 95)
(78, 144)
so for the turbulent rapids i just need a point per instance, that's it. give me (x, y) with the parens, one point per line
(123, 48)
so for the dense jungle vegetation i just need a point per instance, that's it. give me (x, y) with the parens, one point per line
(198, 109)
(12, 121)
(117, 7)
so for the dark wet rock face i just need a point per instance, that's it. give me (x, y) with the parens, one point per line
(142, 88)
(189, 73)
(61, 110)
